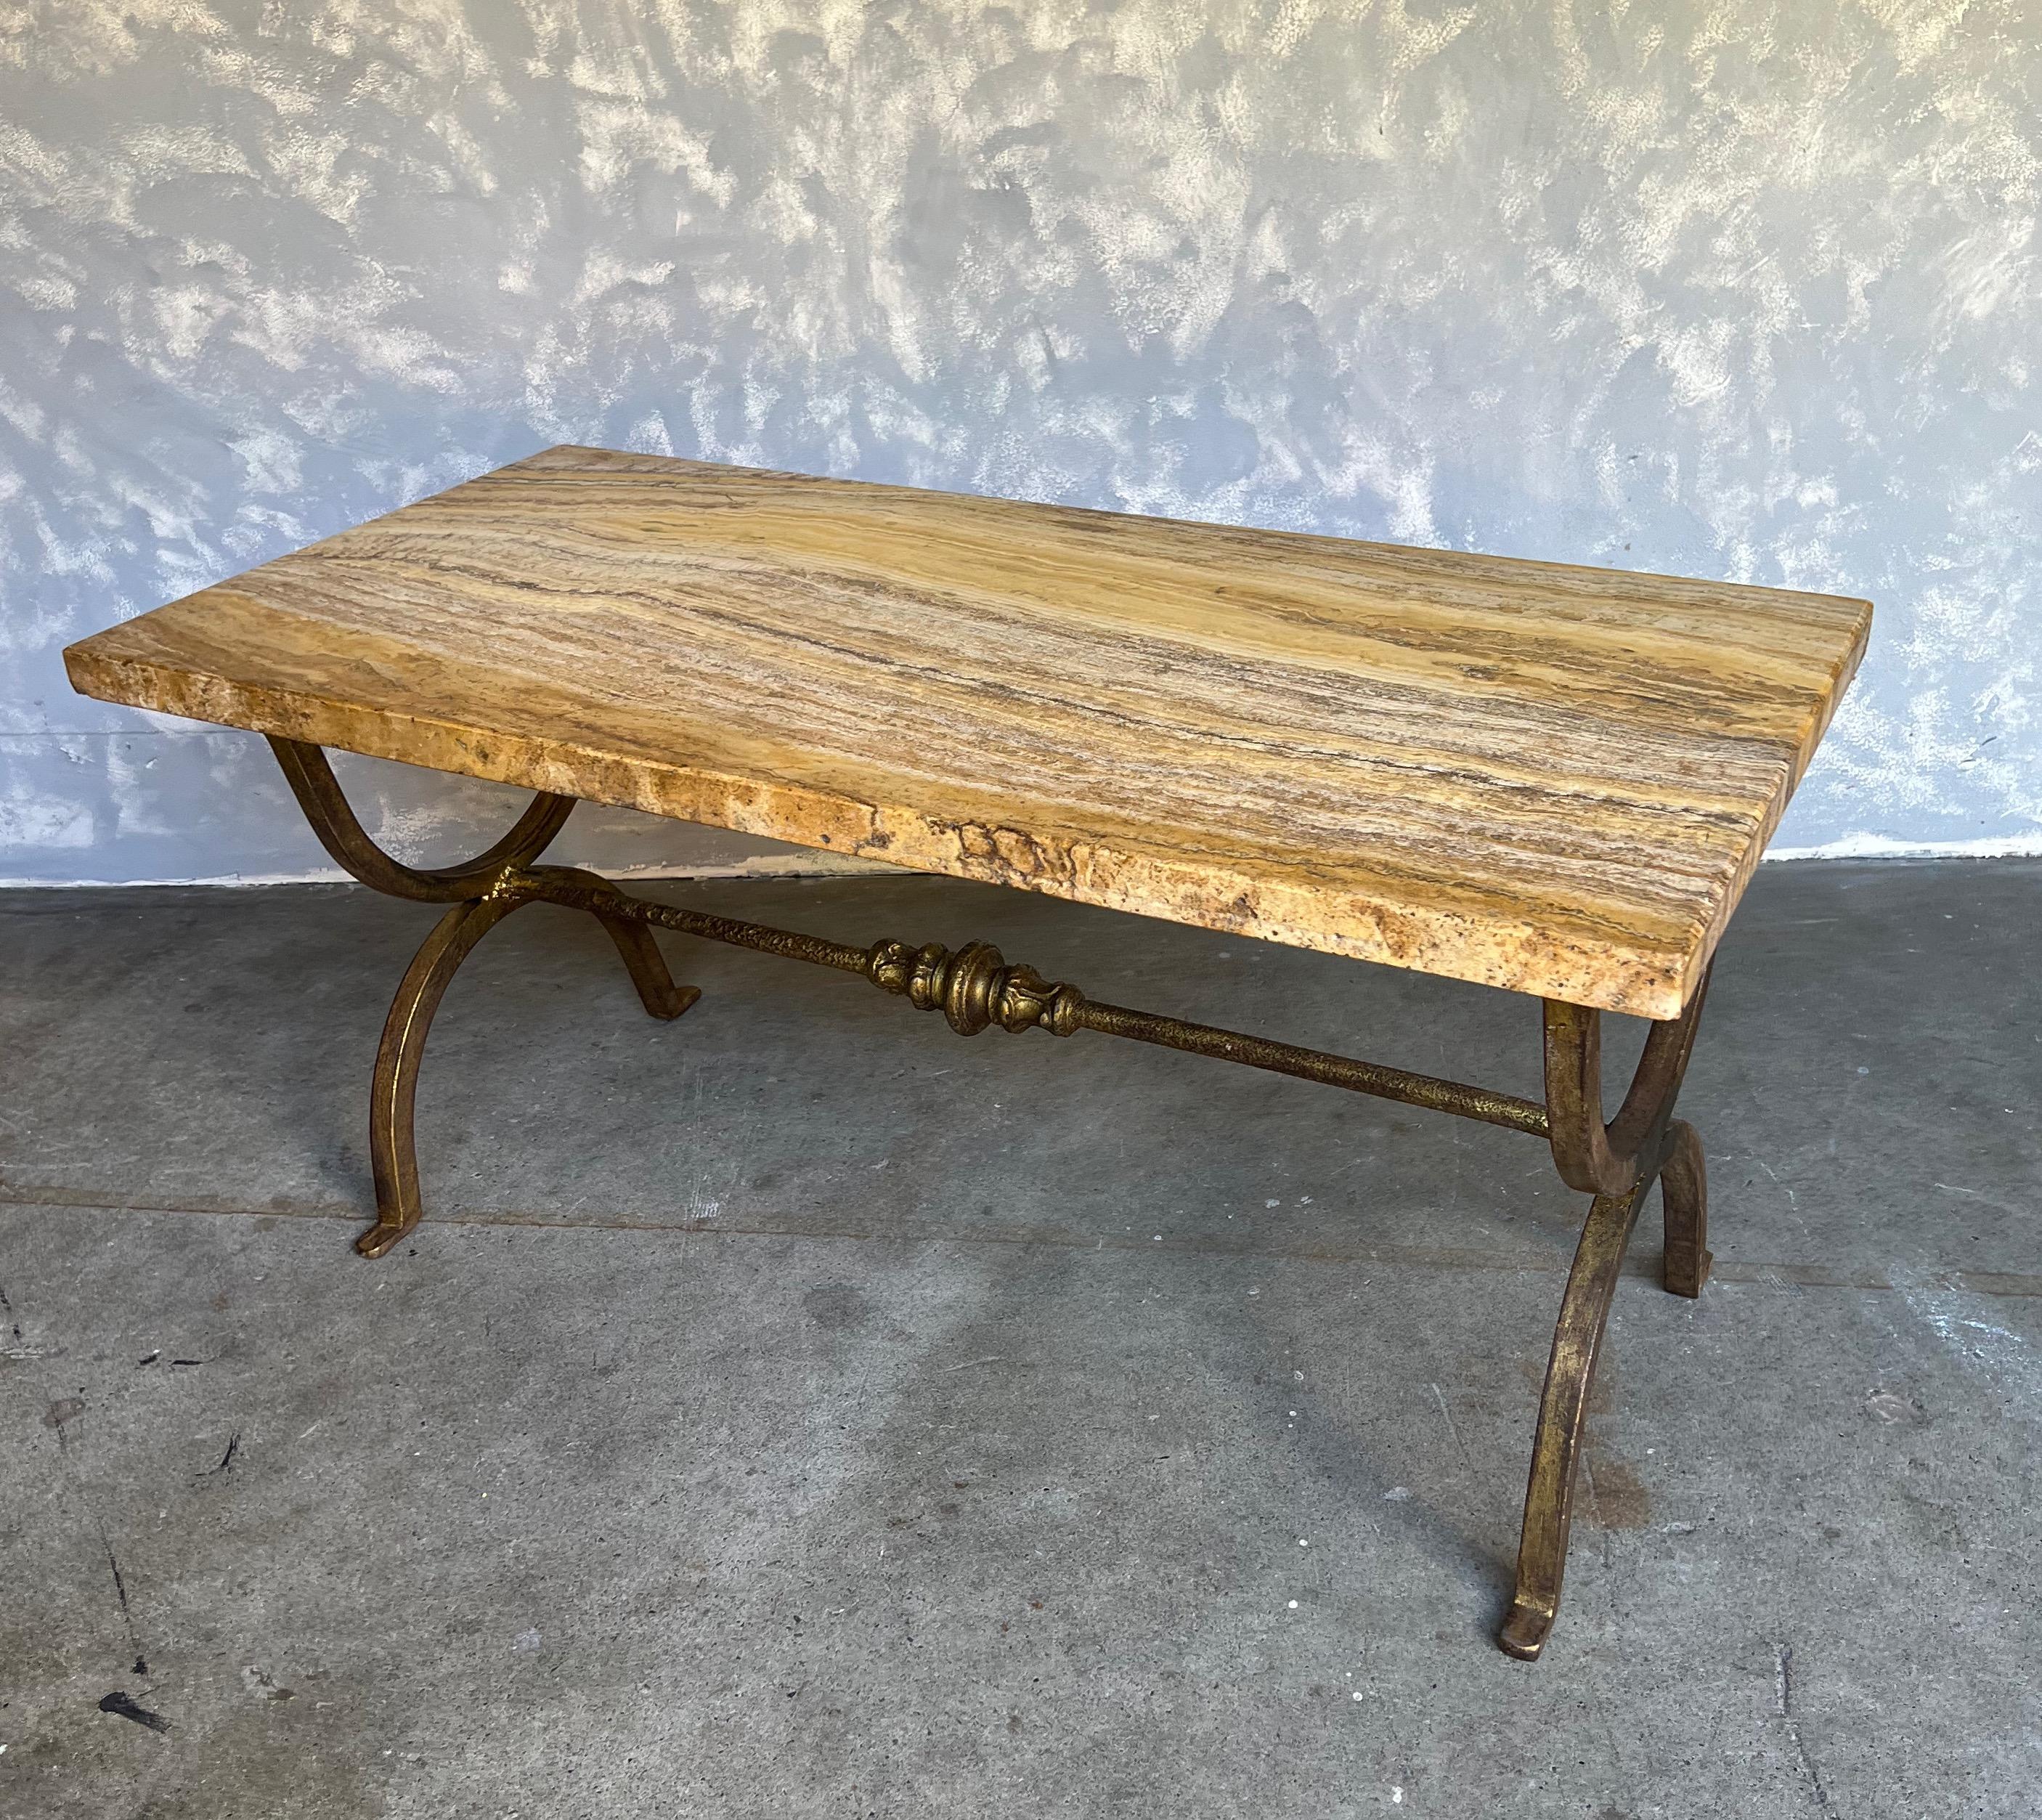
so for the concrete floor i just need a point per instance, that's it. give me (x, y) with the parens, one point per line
(795, 1410)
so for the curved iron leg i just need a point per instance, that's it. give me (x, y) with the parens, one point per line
(1684, 1190)
(647, 966)
(1601, 1159)
(1549, 1499)
(1642, 1144)
(635, 945)
(393, 1095)
(477, 889)
(326, 806)
(394, 1091)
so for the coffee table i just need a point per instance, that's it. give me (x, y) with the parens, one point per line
(1553, 780)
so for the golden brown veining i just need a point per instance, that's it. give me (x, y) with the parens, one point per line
(1553, 779)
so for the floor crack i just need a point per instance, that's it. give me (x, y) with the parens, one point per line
(120, 1587)
(1783, 1688)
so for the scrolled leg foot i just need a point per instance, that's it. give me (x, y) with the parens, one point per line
(1683, 1192)
(1524, 1631)
(661, 997)
(384, 1235)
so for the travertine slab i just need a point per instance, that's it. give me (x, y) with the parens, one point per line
(1553, 779)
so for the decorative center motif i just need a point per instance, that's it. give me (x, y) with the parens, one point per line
(973, 988)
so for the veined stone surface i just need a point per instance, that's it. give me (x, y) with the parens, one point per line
(1553, 779)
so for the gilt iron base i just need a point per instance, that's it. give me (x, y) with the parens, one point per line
(974, 988)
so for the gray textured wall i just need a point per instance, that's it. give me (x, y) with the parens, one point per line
(1736, 289)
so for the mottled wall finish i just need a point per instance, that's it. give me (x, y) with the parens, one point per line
(1743, 290)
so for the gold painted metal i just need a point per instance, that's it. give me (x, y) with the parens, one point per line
(326, 806)
(1600, 1159)
(1368, 1077)
(975, 988)
(393, 1095)
(1621, 1161)
(476, 889)
(1683, 1186)
(393, 1092)
(1549, 1499)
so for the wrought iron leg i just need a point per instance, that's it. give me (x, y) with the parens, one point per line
(478, 890)
(1684, 1188)
(647, 966)
(1618, 1162)
(1549, 1501)
(635, 945)
(394, 1092)
(393, 1154)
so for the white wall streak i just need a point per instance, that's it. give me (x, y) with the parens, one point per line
(1736, 290)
